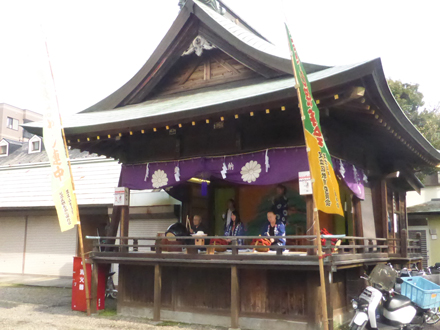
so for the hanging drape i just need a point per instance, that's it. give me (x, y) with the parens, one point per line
(270, 166)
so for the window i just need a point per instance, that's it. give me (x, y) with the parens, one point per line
(35, 146)
(4, 148)
(12, 123)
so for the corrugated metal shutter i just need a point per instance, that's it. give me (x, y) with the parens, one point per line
(12, 244)
(48, 250)
(413, 235)
(144, 228)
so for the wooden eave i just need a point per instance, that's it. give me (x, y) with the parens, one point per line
(381, 117)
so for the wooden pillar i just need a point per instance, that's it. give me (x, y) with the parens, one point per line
(124, 227)
(94, 288)
(235, 298)
(384, 213)
(157, 292)
(310, 227)
(358, 225)
(328, 285)
(112, 229)
(403, 225)
(404, 243)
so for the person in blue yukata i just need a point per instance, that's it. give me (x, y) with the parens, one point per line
(280, 205)
(274, 230)
(235, 227)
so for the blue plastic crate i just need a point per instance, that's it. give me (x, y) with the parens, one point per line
(424, 293)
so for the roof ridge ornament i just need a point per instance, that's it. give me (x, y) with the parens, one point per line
(198, 45)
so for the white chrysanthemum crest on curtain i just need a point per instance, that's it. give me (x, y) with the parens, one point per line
(251, 171)
(159, 179)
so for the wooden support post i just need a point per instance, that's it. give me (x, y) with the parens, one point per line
(310, 225)
(328, 284)
(234, 247)
(235, 298)
(124, 227)
(384, 209)
(94, 289)
(112, 229)
(357, 216)
(157, 292)
(353, 243)
(280, 252)
(404, 243)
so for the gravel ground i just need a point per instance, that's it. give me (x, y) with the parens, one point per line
(41, 308)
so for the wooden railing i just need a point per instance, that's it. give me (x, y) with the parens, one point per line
(358, 245)
(351, 247)
(414, 246)
(124, 244)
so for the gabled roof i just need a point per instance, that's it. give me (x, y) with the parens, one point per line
(433, 206)
(21, 155)
(133, 108)
(196, 19)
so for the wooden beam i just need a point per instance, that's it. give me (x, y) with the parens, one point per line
(403, 226)
(359, 230)
(125, 216)
(190, 71)
(328, 284)
(343, 98)
(157, 292)
(225, 64)
(207, 70)
(235, 298)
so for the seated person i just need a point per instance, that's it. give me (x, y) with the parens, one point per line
(274, 230)
(198, 225)
(235, 228)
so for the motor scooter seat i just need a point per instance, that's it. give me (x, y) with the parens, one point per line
(397, 302)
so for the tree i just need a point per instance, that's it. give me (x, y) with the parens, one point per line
(410, 100)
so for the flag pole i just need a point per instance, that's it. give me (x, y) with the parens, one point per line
(315, 211)
(81, 243)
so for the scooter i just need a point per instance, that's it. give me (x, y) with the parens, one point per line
(379, 303)
(110, 289)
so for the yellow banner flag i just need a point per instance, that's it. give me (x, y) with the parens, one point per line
(325, 184)
(62, 188)
(62, 181)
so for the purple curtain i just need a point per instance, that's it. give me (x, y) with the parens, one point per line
(266, 167)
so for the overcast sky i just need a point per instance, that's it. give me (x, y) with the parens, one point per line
(97, 46)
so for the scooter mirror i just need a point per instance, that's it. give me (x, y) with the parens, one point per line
(399, 280)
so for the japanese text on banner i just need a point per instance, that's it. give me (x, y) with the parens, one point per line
(62, 187)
